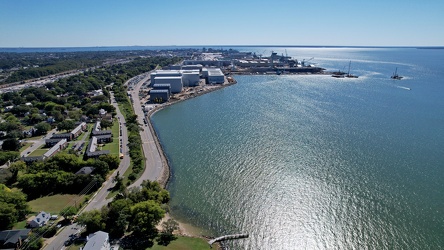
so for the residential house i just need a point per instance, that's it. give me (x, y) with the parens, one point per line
(40, 220)
(97, 241)
(85, 170)
(12, 239)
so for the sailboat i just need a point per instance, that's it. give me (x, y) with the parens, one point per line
(348, 74)
(395, 75)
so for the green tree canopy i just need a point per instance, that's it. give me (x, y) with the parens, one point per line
(67, 125)
(145, 216)
(92, 220)
(42, 128)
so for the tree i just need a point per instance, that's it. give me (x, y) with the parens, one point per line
(42, 128)
(11, 144)
(13, 207)
(6, 156)
(119, 182)
(106, 124)
(8, 216)
(166, 235)
(92, 220)
(117, 217)
(68, 211)
(66, 125)
(145, 216)
(14, 168)
(113, 161)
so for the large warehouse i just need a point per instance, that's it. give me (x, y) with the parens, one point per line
(174, 81)
(164, 73)
(190, 78)
(215, 76)
(159, 95)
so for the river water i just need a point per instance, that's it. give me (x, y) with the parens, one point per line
(315, 162)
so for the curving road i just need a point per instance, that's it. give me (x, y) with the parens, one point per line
(153, 160)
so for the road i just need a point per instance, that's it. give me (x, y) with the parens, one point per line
(99, 200)
(153, 161)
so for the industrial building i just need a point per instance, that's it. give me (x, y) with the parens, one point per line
(164, 73)
(213, 75)
(190, 78)
(192, 67)
(163, 86)
(174, 81)
(159, 95)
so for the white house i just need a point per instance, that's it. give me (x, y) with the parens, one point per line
(97, 241)
(40, 220)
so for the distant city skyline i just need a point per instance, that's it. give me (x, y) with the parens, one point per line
(51, 23)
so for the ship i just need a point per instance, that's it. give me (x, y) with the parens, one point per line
(348, 75)
(396, 76)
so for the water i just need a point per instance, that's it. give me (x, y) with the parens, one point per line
(315, 162)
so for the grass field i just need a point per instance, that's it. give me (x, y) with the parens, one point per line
(184, 243)
(20, 225)
(38, 152)
(25, 145)
(55, 203)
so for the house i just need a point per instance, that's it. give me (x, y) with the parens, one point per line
(102, 112)
(78, 130)
(101, 132)
(85, 170)
(97, 241)
(12, 239)
(67, 136)
(40, 220)
(59, 146)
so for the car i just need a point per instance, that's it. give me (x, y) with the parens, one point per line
(28, 152)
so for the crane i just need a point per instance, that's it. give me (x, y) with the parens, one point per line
(303, 61)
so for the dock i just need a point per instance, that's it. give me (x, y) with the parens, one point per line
(227, 237)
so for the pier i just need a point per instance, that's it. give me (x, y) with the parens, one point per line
(227, 237)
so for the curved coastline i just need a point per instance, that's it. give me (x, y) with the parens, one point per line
(185, 229)
(166, 169)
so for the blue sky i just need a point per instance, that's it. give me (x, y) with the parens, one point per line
(63, 23)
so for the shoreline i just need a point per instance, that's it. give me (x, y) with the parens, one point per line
(185, 229)
(166, 172)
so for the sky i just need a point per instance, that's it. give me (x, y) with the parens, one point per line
(83, 23)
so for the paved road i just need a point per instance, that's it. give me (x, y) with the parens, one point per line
(99, 200)
(153, 163)
(37, 143)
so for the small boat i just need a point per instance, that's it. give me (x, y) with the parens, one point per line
(396, 76)
(348, 75)
(338, 74)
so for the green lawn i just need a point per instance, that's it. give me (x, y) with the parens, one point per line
(25, 146)
(20, 225)
(55, 203)
(38, 152)
(113, 147)
(184, 243)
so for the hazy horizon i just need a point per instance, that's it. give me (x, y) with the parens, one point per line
(46, 23)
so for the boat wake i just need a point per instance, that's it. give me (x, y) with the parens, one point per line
(402, 87)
